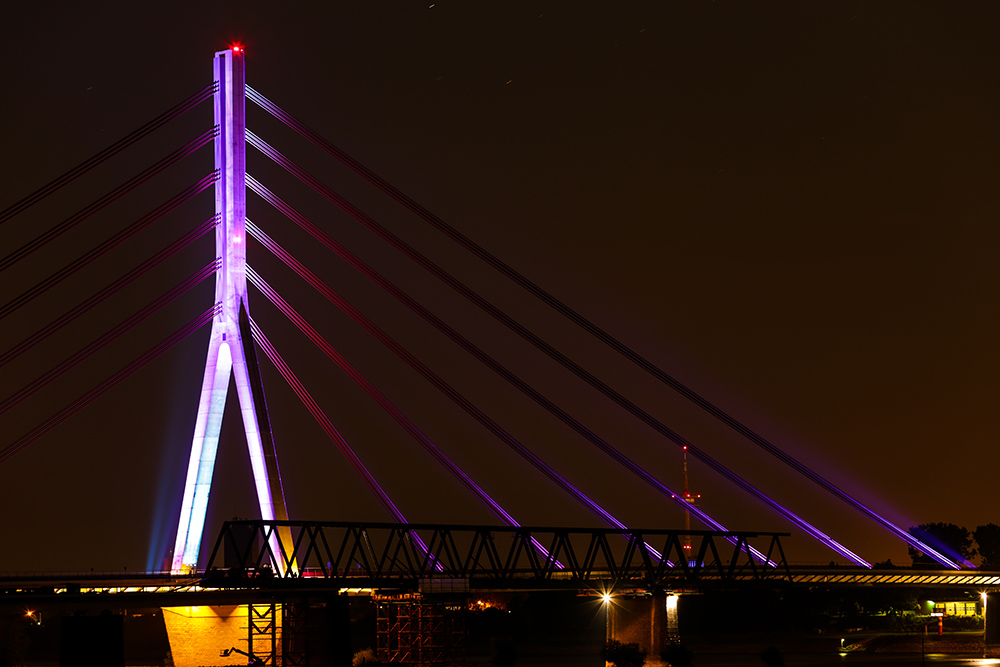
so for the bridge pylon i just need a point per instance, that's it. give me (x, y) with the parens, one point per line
(231, 349)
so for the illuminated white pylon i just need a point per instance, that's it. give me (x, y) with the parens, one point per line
(230, 348)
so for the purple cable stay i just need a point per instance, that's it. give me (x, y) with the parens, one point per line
(108, 384)
(554, 354)
(431, 377)
(310, 404)
(324, 422)
(109, 152)
(111, 289)
(594, 330)
(108, 199)
(378, 397)
(107, 338)
(108, 245)
(360, 380)
(482, 356)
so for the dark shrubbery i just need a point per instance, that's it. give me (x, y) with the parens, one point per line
(678, 655)
(772, 657)
(502, 652)
(623, 655)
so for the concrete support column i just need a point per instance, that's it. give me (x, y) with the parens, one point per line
(673, 626)
(644, 621)
(199, 634)
(991, 609)
(338, 632)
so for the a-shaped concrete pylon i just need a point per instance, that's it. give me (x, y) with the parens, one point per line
(230, 348)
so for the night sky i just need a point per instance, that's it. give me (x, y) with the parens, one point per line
(790, 207)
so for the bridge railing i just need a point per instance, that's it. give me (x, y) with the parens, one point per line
(356, 553)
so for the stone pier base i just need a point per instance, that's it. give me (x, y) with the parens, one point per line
(649, 621)
(199, 635)
(991, 609)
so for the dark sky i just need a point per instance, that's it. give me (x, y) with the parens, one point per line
(791, 207)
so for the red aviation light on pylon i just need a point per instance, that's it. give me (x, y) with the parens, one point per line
(237, 48)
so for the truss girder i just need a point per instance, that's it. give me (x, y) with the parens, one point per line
(354, 553)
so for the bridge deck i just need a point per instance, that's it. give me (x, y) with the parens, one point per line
(133, 589)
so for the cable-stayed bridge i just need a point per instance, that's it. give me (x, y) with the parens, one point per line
(253, 211)
(234, 228)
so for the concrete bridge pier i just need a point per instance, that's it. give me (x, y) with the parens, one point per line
(303, 631)
(991, 610)
(647, 620)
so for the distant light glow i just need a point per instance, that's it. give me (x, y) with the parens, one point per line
(606, 598)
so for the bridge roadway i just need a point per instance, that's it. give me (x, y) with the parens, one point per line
(157, 589)
(327, 558)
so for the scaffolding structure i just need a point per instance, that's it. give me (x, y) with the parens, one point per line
(262, 632)
(416, 632)
(294, 634)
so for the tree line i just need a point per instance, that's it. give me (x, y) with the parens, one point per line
(955, 540)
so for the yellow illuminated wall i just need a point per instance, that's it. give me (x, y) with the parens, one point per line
(198, 635)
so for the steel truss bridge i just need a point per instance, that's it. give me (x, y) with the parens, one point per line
(405, 555)
(439, 559)
(433, 556)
